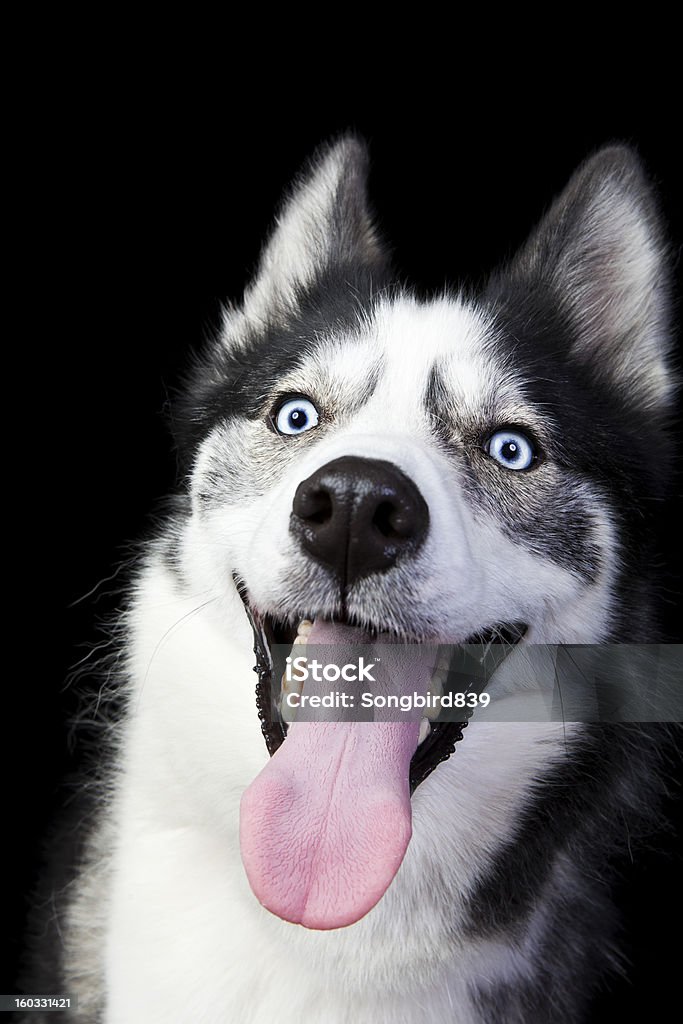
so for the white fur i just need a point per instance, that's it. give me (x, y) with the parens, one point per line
(465, 586)
(163, 908)
(183, 936)
(609, 274)
(305, 239)
(186, 939)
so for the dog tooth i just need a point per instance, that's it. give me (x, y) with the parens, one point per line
(287, 713)
(437, 681)
(298, 677)
(295, 683)
(435, 690)
(300, 640)
(433, 713)
(290, 685)
(436, 685)
(425, 729)
(286, 687)
(304, 627)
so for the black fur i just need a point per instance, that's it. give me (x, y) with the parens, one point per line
(228, 382)
(573, 814)
(624, 451)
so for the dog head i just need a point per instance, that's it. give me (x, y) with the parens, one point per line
(436, 470)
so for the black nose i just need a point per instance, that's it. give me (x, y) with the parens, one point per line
(358, 516)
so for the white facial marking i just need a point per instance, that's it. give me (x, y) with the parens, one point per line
(470, 572)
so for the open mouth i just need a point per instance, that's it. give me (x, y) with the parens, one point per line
(325, 825)
(486, 648)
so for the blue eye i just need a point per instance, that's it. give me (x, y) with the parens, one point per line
(296, 415)
(511, 449)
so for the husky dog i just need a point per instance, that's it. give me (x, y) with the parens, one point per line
(360, 462)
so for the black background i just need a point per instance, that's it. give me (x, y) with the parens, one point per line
(136, 220)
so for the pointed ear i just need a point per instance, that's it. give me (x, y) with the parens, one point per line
(599, 255)
(324, 222)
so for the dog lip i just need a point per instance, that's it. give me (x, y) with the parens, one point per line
(274, 731)
(443, 736)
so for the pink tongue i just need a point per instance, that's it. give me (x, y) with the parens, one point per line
(324, 827)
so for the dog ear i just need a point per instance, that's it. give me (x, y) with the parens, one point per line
(325, 222)
(599, 255)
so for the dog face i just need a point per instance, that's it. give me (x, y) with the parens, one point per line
(364, 463)
(521, 424)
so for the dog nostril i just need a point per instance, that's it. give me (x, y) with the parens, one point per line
(323, 508)
(387, 519)
(314, 506)
(393, 521)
